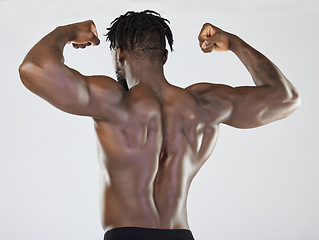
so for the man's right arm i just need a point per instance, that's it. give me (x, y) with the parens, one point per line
(273, 97)
(44, 73)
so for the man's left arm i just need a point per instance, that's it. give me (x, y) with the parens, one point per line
(273, 97)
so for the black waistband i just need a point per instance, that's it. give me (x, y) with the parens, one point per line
(136, 233)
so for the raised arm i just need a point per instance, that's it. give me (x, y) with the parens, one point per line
(273, 97)
(44, 73)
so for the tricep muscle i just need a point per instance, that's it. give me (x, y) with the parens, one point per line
(70, 91)
(245, 107)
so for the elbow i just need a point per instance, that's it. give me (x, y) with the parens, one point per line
(28, 74)
(285, 102)
(293, 98)
(288, 96)
(295, 101)
(24, 71)
(290, 103)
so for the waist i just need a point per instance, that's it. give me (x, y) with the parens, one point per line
(137, 233)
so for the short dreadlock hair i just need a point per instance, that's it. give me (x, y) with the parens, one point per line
(142, 34)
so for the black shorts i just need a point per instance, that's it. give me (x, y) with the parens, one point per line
(136, 233)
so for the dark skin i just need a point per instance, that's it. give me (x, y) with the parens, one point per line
(154, 138)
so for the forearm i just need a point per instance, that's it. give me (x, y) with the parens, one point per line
(48, 52)
(43, 71)
(262, 70)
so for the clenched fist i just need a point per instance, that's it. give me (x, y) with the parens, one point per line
(213, 38)
(83, 34)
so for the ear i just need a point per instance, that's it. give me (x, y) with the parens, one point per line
(165, 56)
(121, 55)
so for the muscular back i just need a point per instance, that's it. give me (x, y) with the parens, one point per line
(152, 143)
(149, 156)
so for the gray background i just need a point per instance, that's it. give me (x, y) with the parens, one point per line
(259, 184)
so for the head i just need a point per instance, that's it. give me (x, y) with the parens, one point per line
(142, 35)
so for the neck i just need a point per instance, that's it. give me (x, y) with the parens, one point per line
(147, 73)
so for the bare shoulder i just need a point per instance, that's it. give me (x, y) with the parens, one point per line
(103, 84)
(107, 96)
(204, 89)
(212, 93)
(214, 99)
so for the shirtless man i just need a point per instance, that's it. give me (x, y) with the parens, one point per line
(153, 137)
